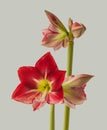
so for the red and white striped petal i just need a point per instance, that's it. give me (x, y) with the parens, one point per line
(23, 93)
(56, 79)
(39, 101)
(55, 97)
(46, 64)
(29, 75)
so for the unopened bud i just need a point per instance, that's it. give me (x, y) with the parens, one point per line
(78, 29)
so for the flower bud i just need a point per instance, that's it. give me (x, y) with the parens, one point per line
(78, 29)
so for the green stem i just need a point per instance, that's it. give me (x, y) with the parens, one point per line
(52, 117)
(69, 72)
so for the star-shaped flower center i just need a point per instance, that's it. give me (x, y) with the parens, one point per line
(44, 85)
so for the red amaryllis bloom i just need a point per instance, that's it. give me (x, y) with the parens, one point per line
(73, 88)
(40, 84)
(55, 35)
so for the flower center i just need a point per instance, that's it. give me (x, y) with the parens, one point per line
(44, 86)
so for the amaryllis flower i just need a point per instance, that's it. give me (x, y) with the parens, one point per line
(77, 29)
(55, 35)
(40, 84)
(73, 88)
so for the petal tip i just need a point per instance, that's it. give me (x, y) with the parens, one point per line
(46, 11)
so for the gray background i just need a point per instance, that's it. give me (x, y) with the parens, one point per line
(21, 23)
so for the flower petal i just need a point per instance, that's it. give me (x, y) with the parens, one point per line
(78, 29)
(65, 42)
(29, 75)
(49, 40)
(58, 46)
(46, 31)
(55, 97)
(38, 104)
(55, 21)
(53, 29)
(75, 95)
(56, 79)
(49, 34)
(46, 64)
(39, 101)
(24, 94)
(77, 81)
(70, 23)
(69, 103)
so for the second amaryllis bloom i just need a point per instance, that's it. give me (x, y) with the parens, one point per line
(40, 84)
(73, 88)
(56, 35)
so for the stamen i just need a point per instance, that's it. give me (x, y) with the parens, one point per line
(45, 74)
(37, 81)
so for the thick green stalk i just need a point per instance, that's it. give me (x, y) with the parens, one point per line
(52, 117)
(69, 72)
